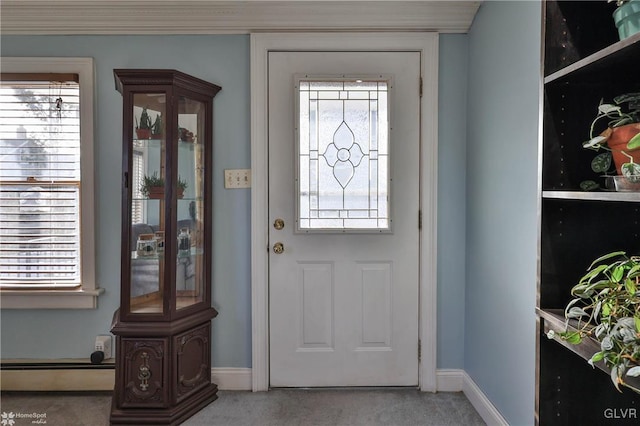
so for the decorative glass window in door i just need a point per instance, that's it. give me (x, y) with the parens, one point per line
(343, 155)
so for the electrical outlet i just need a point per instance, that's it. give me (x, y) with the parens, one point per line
(237, 178)
(103, 344)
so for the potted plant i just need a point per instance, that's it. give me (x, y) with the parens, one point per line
(620, 139)
(143, 126)
(156, 128)
(627, 17)
(152, 187)
(606, 307)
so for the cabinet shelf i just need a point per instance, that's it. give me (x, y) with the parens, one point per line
(162, 199)
(160, 256)
(611, 56)
(592, 196)
(554, 320)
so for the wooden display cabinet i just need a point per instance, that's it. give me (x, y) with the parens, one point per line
(163, 325)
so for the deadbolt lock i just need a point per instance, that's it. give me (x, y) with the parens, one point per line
(278, 224)
(278, 248)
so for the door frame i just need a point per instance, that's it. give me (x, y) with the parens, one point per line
(261, 44)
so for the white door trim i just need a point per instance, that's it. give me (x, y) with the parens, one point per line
(261, 44)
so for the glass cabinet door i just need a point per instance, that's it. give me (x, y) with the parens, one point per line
(190, 211)
(148, 197)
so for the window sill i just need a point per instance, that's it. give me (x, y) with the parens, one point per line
(50, 299)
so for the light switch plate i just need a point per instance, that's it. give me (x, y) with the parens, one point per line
(237, 178)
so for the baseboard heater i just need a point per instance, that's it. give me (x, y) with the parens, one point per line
(72, 375)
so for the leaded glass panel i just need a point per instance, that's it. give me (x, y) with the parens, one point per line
(343, 155)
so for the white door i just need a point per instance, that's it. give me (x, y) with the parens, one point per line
(343, 212)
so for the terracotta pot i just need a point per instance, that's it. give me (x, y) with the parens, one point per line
(617, 142)
(143, 133)
(156, 192)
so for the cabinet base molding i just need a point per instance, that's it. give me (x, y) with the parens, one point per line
(172, 416)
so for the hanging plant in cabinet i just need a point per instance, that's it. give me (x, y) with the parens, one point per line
(606, 307)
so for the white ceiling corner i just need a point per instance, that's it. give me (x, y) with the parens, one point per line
(35, 17)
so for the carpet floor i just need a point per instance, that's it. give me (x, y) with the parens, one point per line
(279, 407)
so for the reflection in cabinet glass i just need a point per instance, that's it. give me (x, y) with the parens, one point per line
(163, 325)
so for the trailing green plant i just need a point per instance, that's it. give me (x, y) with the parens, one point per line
(155, 181)
(617, 117)
(145, 120)
(606, 307)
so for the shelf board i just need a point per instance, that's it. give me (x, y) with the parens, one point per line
(554, 320)
(592, 196)
(614, 52)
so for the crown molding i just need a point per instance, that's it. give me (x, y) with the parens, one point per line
(66, 17)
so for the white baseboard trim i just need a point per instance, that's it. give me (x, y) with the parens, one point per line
(449, 380)
(455, 380)
(57, 380)
(101, 379)
(232, 378)
(481, 403)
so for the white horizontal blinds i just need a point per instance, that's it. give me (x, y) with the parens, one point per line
(39, 181)
(137, 206)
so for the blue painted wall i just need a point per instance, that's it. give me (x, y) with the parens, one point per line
(223, 60)
(501, 218)
(452, 137)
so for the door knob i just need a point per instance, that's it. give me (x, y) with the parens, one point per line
(278, 224)
(278, 248)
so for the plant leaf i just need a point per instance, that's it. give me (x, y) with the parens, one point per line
(634, 143)
(617, 274)
(573, 338)
(608, 108)
(598, 356)
(614, 377)
(626, 97)
(630, 170)
(607, 256)
(589, 185)
(594, 142)
(601, 162)
(637, 322)
(576, 312)
(596, 310)
(630, 286)
(634, 372)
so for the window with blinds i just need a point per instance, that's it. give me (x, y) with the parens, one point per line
(40, 244)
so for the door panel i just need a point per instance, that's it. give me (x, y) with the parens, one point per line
(343, 304)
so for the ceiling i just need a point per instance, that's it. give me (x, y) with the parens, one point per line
(231, 17)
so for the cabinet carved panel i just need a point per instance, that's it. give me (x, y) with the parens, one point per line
(145, 370)
(193, 360)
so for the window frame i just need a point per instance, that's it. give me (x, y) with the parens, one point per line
(84, 297)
